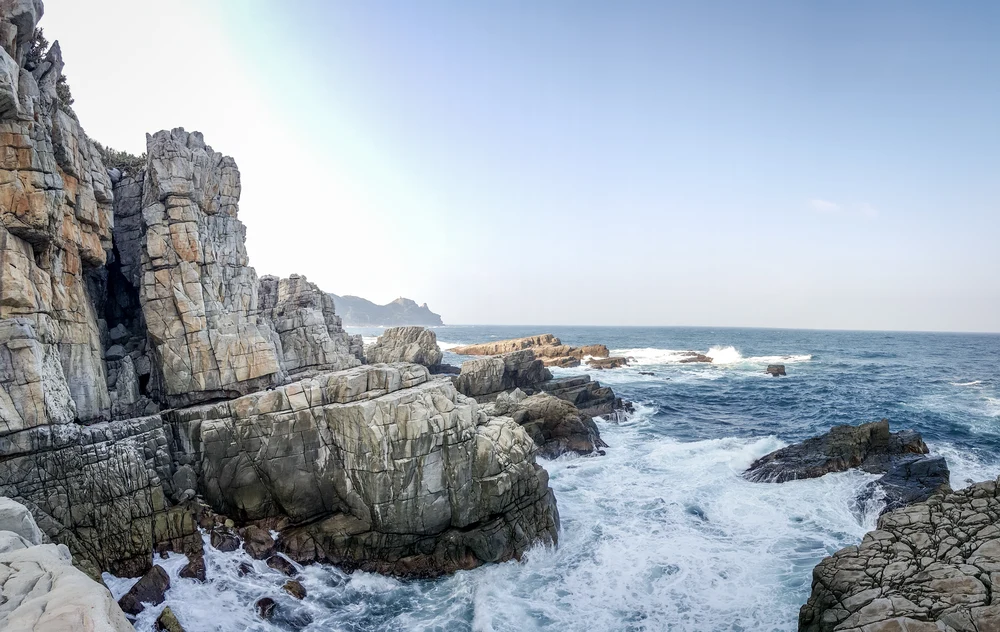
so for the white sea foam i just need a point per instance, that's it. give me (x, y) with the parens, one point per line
(447, 346)
(658, 534)
(972, 383)
(721, 355)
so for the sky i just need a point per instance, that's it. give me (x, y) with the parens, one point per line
(762, 164)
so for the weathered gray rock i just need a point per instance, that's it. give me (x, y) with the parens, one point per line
(149, 589)
(198, 292)
(311, 338)
(55, 224)
(40, 589)
(485, 377)
(97, 489)
(384, 468)
(405, 344)
(555, 425)
(592, 399)
(929, 567)
(870, 447)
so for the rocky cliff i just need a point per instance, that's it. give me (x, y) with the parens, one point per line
(359, 312)
(148, 378)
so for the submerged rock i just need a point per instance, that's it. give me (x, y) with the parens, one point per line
(265, 607)
(167, 621)
(869, 446)
(930, 566)
(405, 344)
(295, 589)
(149, 589)
(694, 356)
(613, 362)
(775, 369)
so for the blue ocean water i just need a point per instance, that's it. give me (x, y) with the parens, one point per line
(662, 533)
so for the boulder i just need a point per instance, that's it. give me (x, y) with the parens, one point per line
(167, 621)
(910, 479)
(555, 425)
(295, 589)
(195, 568)
(257, 542)
(694, 356)
(870, 447)
(405, 344)
(265, 607)
(485, 377)
(40, 589)
(384, 469)
(929, 566)
(150, 589)
(592, 399)
(282, 565)
(775, 369)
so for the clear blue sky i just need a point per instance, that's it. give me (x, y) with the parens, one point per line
(787, 164)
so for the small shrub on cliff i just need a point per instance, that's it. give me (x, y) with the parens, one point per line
(121, 160)
(39, 46)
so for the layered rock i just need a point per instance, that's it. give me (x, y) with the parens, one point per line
(198, 292)
(546, 347)
(556, 426)
(98, 489)
(592, 399)
(929, 567)
(55, 224)
(310, 336)
(484, 378)
(405, 344)
(380, 467)
(40, 587)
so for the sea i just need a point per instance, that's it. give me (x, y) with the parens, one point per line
(662, 532)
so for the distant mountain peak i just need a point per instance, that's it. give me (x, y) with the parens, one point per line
(359, 312)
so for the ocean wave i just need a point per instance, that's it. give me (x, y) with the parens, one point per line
(972, 383)
(721, 355)
(447, 346)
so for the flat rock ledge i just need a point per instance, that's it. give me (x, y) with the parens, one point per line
(930, 567)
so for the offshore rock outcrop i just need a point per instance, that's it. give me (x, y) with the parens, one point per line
(546, 347)
(930, 567)
(406, 344)
(379, 467)
(40, 587)
(909, 474)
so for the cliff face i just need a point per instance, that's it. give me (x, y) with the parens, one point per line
(359, 312)
(145, 371)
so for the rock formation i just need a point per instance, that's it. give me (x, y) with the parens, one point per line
(556, 426)
(909, 475)
(359, 312)
(485, 378)
(929, 567)
(382, 468)
(310, 336)
(126, 292)
(870, 447)
(405, 344)
(775, 370)
(40, 589)
(546, 347)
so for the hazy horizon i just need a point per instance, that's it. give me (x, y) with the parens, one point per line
(776, 165)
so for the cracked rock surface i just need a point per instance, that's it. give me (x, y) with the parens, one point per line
(929, 567)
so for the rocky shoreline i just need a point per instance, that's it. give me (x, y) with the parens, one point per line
(155, 391)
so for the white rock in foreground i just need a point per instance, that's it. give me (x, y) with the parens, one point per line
(41, 590)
